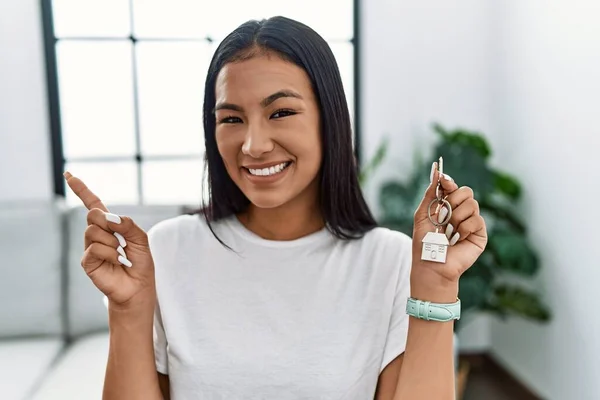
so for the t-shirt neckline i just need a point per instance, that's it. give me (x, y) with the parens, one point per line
(241, 230)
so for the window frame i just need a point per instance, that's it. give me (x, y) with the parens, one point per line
(54, 107)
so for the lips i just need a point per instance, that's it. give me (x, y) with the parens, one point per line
(267, 174)
(273, 169)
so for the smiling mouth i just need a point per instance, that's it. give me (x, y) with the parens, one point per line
(270, 171)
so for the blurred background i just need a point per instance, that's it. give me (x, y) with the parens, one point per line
(507, 91)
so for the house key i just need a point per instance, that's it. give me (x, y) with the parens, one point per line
(435, 244)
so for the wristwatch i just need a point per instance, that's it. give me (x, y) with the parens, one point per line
(433, 311)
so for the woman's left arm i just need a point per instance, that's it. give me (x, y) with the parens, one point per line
(427, 366)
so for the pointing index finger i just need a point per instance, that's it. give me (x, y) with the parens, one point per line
(89, 199)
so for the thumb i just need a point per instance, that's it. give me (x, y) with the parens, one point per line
(127, 228)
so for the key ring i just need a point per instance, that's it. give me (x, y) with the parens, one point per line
(439, 198)
(442, 202)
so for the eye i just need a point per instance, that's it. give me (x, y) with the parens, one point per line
(282, 113)
(230, 120)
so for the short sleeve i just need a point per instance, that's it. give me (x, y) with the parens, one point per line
(398, 327)
(160, 343)
(160, 240)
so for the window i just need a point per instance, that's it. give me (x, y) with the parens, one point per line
(126, 85)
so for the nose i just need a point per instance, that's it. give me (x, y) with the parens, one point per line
(257, 141)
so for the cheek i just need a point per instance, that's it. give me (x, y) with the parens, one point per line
(228, 149)
(309, 153)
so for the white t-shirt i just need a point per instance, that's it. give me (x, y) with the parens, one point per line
(312, 318)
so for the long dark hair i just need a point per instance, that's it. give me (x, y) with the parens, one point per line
(343, 207)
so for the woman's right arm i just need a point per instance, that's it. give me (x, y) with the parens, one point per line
(131, 371)
(119, 262)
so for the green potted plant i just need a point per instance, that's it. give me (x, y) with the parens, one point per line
(489, 285)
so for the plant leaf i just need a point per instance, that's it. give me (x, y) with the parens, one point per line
(467, 167)
(374, 163)
(473, 291)
(465, 138)
(512, 252)
(502, 213)
(507, 185)
(396, 201)
(518, 301)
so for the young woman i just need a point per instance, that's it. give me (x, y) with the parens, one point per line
(284, 288)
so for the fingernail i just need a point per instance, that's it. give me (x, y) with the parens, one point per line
(114, 218)
(121, 251)
(432, 171)
(442, 215)
(454, 239)
(449, 230)
(125, 261)
(121, 239)
(447, 177)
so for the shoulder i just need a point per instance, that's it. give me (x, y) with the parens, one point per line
(172, 232)
(186, 230)
(390, 242)
(173, 226)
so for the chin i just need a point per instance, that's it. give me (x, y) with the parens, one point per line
(267, 200)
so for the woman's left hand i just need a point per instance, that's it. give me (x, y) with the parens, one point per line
(466, 231)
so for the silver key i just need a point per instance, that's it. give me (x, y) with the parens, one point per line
(435, 244)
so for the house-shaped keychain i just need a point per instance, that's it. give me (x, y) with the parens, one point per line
(435, 245)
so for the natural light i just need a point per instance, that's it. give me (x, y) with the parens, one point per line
(131, 111)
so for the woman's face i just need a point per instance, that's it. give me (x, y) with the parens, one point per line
(267, 130)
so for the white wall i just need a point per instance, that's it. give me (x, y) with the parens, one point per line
(547, 107)
(25, 157)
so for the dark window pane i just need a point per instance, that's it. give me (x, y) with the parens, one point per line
(173, 182)
(171, 93)
(96, 95)
(114, 182)
(91, 18)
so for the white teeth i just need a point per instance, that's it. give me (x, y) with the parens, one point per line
(269, 171)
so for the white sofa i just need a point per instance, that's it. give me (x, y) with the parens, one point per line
(53, 323)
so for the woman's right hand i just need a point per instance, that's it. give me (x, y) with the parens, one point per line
(117, 256)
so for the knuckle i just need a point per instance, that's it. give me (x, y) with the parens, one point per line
(89, 232)
(93, 248)
(93, 215)
(86, 257)
(474, 203)
(468, 190)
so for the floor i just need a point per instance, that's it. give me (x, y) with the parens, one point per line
(488, 381)
(482, 387)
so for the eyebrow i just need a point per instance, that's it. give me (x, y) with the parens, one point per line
(264, 102)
